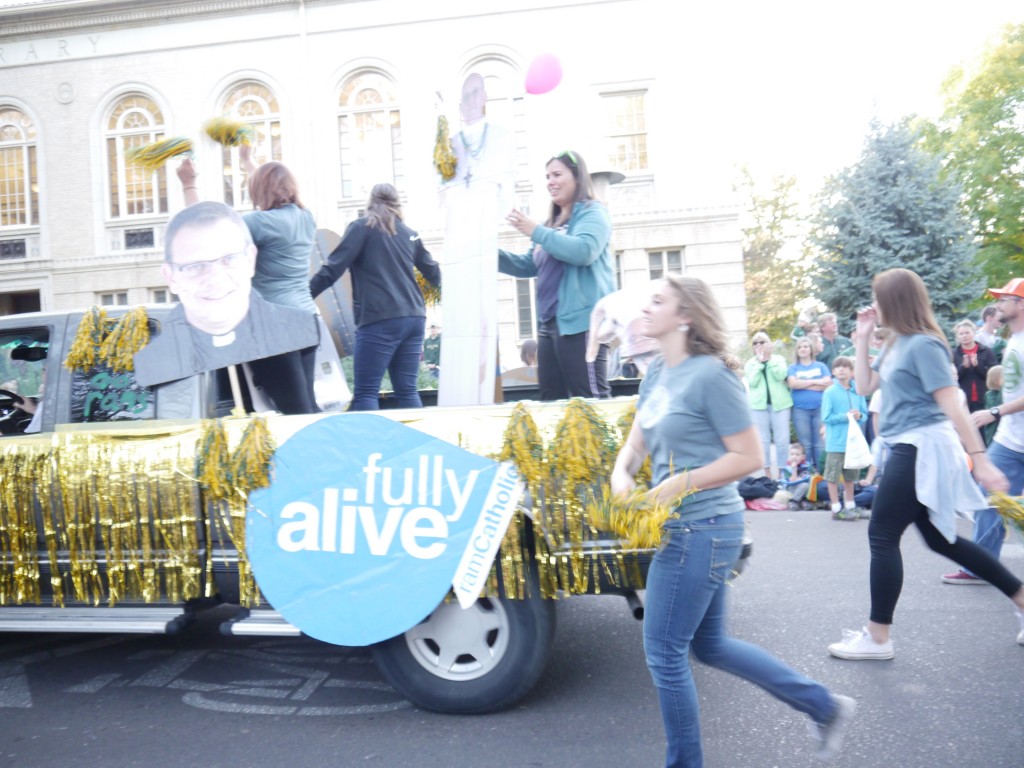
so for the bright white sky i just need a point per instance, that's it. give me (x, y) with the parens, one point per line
(794, 84)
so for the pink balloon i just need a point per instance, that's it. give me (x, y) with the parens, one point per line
(545, 73)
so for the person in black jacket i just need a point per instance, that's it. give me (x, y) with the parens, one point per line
(389, 310)
(972, 360)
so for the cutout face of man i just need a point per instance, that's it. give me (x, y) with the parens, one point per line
(211, 268)
(474, 99)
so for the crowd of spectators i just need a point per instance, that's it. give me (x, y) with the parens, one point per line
(786, 388)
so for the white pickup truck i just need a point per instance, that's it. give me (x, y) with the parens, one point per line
(107, 526)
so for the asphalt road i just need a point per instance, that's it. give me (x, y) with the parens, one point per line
(951, 698)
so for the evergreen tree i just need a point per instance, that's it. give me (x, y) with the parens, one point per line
(893, 209)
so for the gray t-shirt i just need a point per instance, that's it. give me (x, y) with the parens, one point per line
(912, 369)
(284, 244)
(684, 412)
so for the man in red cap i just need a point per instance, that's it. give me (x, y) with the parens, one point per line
(1007, 448)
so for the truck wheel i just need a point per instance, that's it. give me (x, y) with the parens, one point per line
(481, 659)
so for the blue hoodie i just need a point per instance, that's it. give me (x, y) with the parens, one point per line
(584, 248)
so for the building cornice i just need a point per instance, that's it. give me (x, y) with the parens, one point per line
(55, 17)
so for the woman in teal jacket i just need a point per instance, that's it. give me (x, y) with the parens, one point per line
(572, 263)
(770, 399)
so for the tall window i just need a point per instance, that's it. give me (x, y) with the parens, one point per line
(254, 104)
(627, 131)
(135, 121)
(114, 299)
(524, 309)
(660, 262)
(19, 182)
(370, 135)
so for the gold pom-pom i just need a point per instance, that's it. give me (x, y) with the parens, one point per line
(583, 447)
(129, 335)
(431, 293)
(152, 156)
(522, 444)
(85, 349)
(213, 462)
(250, 463)
(444, 159)
(635, 518)
(1011, 510)
(230, 133)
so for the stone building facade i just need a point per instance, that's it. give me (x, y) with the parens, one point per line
(347, 93)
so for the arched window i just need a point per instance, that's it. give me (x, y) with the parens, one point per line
(370, 135)
(19, 180)
(134, 121)
(255, 104)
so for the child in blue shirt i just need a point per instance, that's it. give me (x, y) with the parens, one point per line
(840, 400)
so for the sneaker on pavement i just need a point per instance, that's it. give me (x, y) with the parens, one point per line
(830, 735)
(846, 514)
(860, 646)
(1020, 635)
(865, 513)
(961, 577)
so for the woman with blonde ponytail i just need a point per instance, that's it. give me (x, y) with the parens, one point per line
(694, 421)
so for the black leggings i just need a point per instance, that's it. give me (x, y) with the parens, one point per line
(894, 509)
(562, 367)
(288, 379)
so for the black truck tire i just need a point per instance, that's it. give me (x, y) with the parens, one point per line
(481, 659)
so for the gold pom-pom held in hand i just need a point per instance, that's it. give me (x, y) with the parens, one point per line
(431, 293)
(230, 133)
(1011, 509)
(152, 156)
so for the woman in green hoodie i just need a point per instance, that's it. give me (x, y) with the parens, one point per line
(572, 262)
(770, 399)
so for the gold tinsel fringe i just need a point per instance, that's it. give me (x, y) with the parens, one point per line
(124, 517)
(444, 158)
(152, 156)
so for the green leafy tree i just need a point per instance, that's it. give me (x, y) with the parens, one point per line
(981, 140)
(893, 209)
(773, 281)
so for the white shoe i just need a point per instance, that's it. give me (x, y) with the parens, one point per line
(830, 735)
(858, 646)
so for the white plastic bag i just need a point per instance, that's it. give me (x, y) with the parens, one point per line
(858, 453)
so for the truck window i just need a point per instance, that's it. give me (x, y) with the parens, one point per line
(23, 354)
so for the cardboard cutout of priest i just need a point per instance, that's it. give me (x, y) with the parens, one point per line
(477, 199)
(209, 262)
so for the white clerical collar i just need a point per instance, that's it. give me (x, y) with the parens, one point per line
(474, 131)
(225, 340)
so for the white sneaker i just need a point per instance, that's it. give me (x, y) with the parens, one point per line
(830, 735)
(1020, 635)
(857, 646)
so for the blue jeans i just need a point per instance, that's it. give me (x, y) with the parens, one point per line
(393, 345)
(807, 422)
(686, 593)
(989, 529)
(773, 426)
